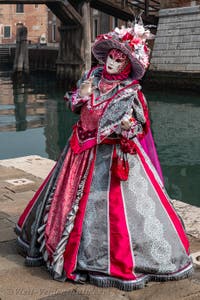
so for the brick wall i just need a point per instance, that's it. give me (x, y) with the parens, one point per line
(34, 17)
(177, 42)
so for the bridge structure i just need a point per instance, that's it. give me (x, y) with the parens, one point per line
(75, 30)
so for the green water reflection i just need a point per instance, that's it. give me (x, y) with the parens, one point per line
(176, 128)
(34, 120)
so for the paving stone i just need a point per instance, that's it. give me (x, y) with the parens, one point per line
(24, 196)
(191, 219)
(10, 262)
(8, 189)
(5, 223)
(90, 294)
(19, 181)
(5, 193)
(17, 204)
(13, 218)
(171, 290)
(22, 283)
(8, 248)
(3, 215)
(5, 197)
(66, 296)
(6, 172)
(7, 234)
(33, 164)
(19, 188)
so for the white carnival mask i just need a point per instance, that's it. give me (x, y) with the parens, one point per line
(116, 61)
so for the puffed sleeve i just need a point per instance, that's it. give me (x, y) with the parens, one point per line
(130, 103)
(138, 117)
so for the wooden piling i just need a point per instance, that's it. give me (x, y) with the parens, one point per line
(87, 34)
(70, 61)
(21, 61)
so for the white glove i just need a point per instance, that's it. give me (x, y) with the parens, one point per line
(86, 88)
(127, 121)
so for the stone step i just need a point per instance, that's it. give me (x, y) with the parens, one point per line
(4, 55)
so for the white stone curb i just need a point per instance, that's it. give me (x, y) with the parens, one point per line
(32, 164)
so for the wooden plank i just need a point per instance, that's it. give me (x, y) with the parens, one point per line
(114, 8)
(62, 12)
(87, 34)
(146, 4)
(72, 11)
(146, 11)
(26, 1)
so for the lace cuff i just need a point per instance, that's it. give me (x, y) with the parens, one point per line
(74, 100)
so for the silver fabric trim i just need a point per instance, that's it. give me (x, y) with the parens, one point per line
(129, 285)
(126, 285)
(41, 229)
(156, 244)
(159, 247)
(93, 250)
(189, 270)
(147, 159)
(108, 210)
(17, 229)
(58, 260)
(138, 110)
(115, 111)
(157, 177)
(56, 267)
(128, 229)
(21, 242)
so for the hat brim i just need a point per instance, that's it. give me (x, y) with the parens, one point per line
(101, 48)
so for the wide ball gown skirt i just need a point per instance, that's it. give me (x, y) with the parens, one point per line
(84, 223)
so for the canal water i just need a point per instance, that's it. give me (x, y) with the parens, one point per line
(34, 120)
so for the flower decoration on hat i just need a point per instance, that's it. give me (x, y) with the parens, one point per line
(131, 40)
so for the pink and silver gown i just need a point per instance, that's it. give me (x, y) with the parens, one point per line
(87, 221)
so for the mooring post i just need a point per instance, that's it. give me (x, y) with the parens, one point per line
(87, 34)
(70, 61)
(20, 101)
(21, 62)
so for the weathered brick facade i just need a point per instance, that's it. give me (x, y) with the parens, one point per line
(36, 17)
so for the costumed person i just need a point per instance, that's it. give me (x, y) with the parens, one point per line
(102, 215)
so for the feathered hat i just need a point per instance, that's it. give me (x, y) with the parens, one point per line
(131, 41)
